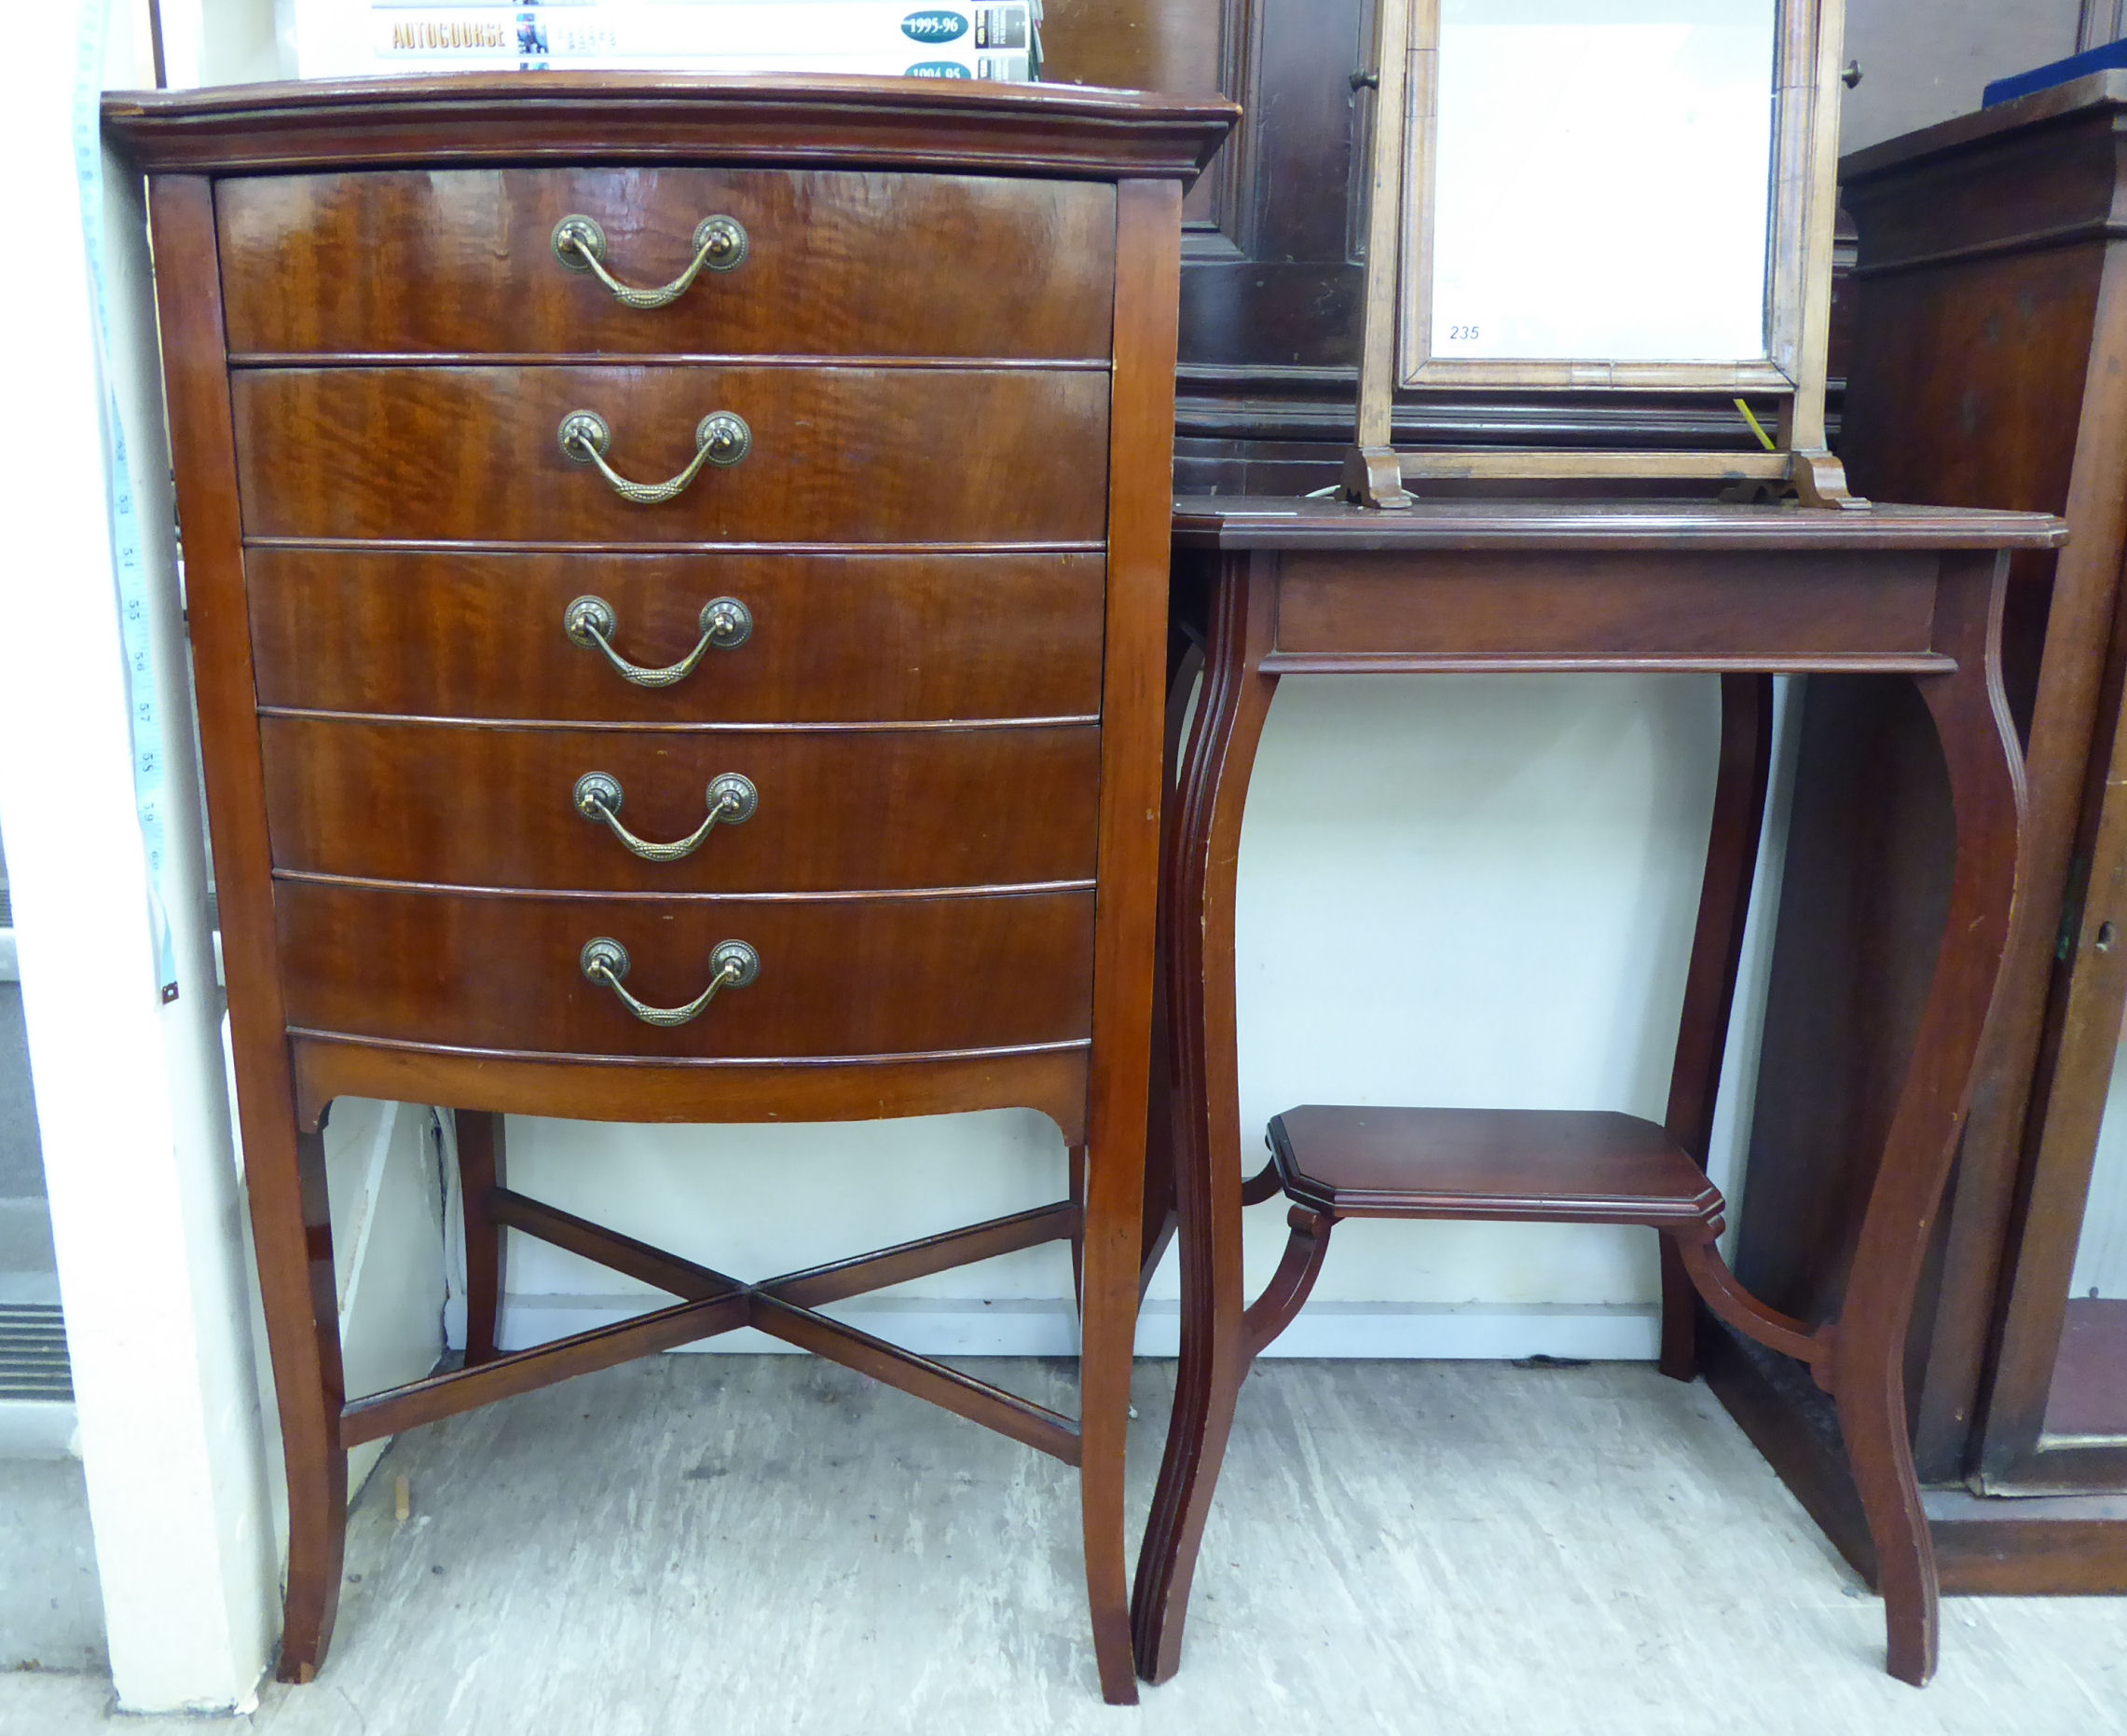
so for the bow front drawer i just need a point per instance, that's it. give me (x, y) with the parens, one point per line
(466, 262)
(681, 810)
(728, 455)
(835, 637)
(837, 977)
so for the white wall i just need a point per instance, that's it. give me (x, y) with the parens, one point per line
(219, 42)
(1925, 61)
(385, 1167)
(2100, 1254)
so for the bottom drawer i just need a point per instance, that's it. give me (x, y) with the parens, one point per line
(838, 976)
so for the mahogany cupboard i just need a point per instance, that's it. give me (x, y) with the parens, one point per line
(1989, 364)
(673, 645)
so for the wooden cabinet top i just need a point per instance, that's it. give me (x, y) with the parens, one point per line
(2095, 98)
(1267, 522)
(974, 127)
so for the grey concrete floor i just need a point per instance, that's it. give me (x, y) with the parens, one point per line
(22, 1169)
(51, 1613)
(28, 1271)
(772, 1545)
(738, 1545)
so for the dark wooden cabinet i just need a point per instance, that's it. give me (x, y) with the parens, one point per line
(733, 700)
(1989, 366)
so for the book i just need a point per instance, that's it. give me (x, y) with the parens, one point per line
(890, 38)
(2102, 59)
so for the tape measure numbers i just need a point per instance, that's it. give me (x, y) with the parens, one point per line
(129, 555)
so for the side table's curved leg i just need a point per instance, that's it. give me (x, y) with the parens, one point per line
(482, 1167)
(1197, 895)
(1717, 951)
(1867, 1374)
(291, 1224)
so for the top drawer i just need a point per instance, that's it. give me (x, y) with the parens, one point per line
(836, 263)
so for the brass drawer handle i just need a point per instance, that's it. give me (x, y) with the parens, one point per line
(579, 243)
(732, 799)
(733, 966)
(721, 438)
(726, 623)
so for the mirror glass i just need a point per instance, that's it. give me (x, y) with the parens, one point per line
(1602, 179)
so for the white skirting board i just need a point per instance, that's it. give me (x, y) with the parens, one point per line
(959, 1326)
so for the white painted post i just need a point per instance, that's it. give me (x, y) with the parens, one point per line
(132, 1111)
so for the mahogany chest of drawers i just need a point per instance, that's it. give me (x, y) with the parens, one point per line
(677, 570)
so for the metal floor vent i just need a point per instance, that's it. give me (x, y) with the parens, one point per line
(7, 910)
(32, 1354)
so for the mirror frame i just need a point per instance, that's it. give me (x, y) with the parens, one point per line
(1802, 207)
(1787, 207)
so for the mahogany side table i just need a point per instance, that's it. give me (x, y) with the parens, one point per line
(1266, 588)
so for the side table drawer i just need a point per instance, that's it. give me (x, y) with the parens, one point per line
(835, 811)
(837, 455)
(839, 976)
(833, 262)
(835, 638)
(1557, 610)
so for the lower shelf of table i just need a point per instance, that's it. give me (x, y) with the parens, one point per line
(1503, 1165)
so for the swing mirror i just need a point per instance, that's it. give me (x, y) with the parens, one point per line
(1592, 187)
(1573, 194)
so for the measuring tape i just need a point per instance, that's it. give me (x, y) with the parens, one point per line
(129, 558)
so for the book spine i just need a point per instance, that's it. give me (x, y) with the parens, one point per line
(890, 39)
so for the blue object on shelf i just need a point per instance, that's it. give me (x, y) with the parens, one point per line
(2112, 55)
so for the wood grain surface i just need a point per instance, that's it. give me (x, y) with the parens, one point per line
(837, 262)
(1548, 1166)
(836, 637)
(978, 126)
(284, 1170)
(1742, 608)
(618, 1088)
(1990, 356)
(839, 976)
(840, 810)
(1525, 525)
(838, 454)
(949, 710)
(1424, 1163)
